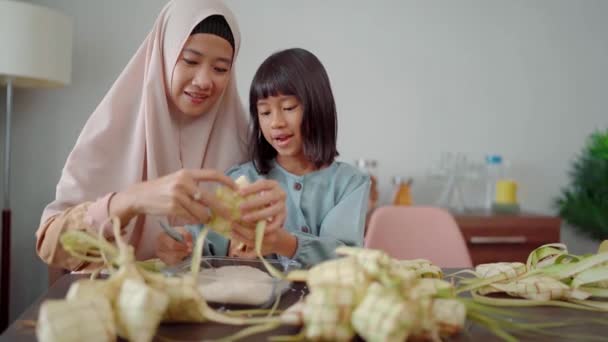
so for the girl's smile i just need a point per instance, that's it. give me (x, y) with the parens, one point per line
(282, 140)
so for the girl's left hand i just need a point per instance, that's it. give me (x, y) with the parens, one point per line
(267, 204)
(276, 240)
(237, 249)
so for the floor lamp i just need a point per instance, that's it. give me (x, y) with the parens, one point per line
(35, 52)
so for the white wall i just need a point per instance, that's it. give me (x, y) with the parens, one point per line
(527, 79)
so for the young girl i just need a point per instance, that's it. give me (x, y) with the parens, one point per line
(293, 150)
(171, 117)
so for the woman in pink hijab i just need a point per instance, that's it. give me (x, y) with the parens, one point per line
(172, 118)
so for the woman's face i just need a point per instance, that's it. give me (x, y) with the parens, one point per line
(201, 74)
(280, 119)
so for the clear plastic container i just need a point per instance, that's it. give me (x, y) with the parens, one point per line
(474, 185)
(238, 292)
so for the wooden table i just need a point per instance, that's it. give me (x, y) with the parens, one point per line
(174, 332)
(493, 237)
(195, 332)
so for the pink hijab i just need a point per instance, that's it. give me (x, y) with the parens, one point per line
(132, 137)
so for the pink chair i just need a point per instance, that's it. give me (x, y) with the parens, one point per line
(418, 232)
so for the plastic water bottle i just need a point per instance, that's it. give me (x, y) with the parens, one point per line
(494, 172)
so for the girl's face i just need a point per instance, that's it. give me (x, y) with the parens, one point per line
(201, 74)
(280, 119)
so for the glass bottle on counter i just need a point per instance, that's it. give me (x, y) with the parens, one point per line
(494, 173)
(403, 193)
(369, 166)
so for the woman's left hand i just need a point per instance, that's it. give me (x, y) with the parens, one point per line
(170, 251)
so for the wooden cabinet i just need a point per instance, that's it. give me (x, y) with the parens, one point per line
(493, 237)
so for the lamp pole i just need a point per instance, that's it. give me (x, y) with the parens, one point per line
(7, 143)
(36, 49)
(5, 282)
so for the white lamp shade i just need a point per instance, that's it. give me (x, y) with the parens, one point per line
(35, 45)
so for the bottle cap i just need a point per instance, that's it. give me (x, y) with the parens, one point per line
(493, 159)
(402, 180)
(364, 164)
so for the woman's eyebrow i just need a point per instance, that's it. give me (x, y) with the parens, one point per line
(193, 51)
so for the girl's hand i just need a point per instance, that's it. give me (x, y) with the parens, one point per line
(175, 195)
(170, 251)
(237, 249)
(267, 204)
(276, 240)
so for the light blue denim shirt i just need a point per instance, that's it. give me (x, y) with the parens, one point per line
(325, 209)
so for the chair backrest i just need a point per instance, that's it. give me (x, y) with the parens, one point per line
(418, 232)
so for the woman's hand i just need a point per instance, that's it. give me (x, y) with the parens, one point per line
(170, 251)
(175, 195)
